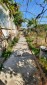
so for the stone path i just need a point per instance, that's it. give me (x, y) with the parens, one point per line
(20, 68)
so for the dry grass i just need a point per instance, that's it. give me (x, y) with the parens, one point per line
(40, 39)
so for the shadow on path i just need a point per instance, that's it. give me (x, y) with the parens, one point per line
(1, 83)
(22, 67)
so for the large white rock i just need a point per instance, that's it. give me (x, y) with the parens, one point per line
(43, 51)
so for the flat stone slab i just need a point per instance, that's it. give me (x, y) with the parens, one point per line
(18, 68)
(24, 65)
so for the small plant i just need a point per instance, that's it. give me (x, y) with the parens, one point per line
(31, 46)
(8, 51)
(12, 43)
(34, 49)
(29, 40)
(43, 62)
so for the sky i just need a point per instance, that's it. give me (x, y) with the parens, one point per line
(33, 8)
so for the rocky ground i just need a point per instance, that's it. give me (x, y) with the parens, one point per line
(20, 68)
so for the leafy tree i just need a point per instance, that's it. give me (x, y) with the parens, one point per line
(13, 9)
(12, 6)
(33, 23)
(18, 19)
(7, 1)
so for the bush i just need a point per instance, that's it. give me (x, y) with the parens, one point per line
(43, 62)
(29, 40)
(31, 46)
(34, 50)
(6, 53)
(13, 42)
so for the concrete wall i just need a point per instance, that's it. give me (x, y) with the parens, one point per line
(6, 21)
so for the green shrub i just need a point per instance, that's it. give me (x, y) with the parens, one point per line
(13, 42)
(29, 40)
(34, 50)
(32, 47)
(43, 62)
(8, 51)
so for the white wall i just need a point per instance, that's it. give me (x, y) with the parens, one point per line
(6, 22)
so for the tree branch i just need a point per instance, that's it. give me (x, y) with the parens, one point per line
(43, 10)
(30, 13)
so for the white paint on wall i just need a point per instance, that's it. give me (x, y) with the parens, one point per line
(6, 21)
(5, 33)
